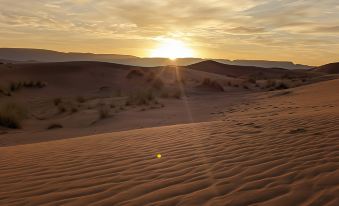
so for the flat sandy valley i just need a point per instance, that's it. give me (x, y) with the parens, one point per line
(227, 135)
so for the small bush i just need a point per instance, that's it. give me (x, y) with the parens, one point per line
(81, 99)
(11, 115)
(112, 105)
(34, 84)
(252, 81)
(212, 84)
(281, 86)
(140, 98)
(271, 83)
(40, 84)
(103, 112)
(177, 94)
(57, 101)
(54, 126)
(117, 93)
(74, 110)
(135, 73)
(5, 92)
(151, 76)
(171, 94)
(62, 109)
(158, 84)
(14, 86)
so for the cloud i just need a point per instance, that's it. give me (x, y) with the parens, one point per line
(249, 24)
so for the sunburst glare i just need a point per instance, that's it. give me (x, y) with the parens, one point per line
(172, 49)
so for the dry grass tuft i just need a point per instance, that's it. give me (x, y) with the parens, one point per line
(54, 126)
(104, 111)
(81, 99)
(12, 115)
(212, 84)
(144, 97)
(135, 73)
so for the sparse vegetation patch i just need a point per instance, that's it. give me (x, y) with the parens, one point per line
(12, 115)
(212, 84)
(54, 126)
(144, 97)
(103, 111)
(135, 73)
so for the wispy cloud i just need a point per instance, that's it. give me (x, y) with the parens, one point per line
(247, 28)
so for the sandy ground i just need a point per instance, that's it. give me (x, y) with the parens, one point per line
(280, 148)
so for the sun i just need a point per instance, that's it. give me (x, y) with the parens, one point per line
(172, 49)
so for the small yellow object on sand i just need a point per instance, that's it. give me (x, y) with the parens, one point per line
(158, 155)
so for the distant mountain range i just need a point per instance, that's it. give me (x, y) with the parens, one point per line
(41, 55)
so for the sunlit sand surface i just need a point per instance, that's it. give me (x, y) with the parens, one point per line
(281, 149)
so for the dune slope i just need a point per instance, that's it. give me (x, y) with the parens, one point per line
(282, 150)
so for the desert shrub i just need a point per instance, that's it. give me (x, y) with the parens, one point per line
(40, 84)
(286, 76)
(54, 126)
(176, 93)
(11, 115)
(144, 97)
(117, 93)
(35, 84)
(5, 92)
(157, 84)
(29, 84)
(135, 73)
(80, 99)
(281, 86)
(206, 81)
(74, 110)
(57, 101)
(180, 80)
(103, 111)
(165, 94)
(14, 86)
(252, 81)
(151, 76)
(212, 84)
(271, 83)
(61, 108)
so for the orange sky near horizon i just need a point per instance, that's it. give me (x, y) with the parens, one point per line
(305, 32)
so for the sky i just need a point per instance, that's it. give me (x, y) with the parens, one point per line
(302, 31)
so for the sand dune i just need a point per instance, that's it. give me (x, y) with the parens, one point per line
(332, 68)
(247, 71)
(281, 149)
